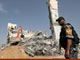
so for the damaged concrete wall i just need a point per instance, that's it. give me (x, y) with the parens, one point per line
(53, 15)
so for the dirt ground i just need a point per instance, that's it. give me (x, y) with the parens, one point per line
(17, 52)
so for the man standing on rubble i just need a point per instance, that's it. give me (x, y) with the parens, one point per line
(67, 39)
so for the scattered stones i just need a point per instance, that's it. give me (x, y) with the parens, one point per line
(36, 44)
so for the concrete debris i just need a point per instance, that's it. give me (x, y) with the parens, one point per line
(21, 50)
(38, 47)
(34, 43)
(4, 46)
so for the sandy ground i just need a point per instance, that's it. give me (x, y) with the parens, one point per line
(17, 52)
(13, 52)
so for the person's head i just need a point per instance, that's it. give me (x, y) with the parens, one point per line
(61, 21)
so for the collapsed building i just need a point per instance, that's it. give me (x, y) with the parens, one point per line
(35, 43)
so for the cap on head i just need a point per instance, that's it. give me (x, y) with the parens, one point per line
(59, 19)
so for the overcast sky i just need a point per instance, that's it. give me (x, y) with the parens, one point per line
(33, 15)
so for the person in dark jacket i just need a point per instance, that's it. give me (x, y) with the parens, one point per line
(66, 39)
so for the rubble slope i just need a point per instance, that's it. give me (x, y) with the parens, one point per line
(13, 52)
(18, 52)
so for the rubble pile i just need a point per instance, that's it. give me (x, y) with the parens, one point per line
(40, 48)
(39, 44)
(36, 44)
(79, 48)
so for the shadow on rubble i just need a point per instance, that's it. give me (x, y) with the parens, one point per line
(15, 43)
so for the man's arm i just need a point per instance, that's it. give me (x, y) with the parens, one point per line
(69, 37)
(69, 42)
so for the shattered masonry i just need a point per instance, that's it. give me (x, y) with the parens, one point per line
(35, 43)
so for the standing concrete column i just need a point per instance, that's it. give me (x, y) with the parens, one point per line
(53, 15)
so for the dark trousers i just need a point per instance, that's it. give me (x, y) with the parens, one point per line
(73, 52)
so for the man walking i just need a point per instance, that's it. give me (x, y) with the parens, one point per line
(67, 39)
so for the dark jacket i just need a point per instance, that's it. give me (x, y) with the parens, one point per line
(66, 33)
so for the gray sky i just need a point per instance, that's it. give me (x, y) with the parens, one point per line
(33, 15)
